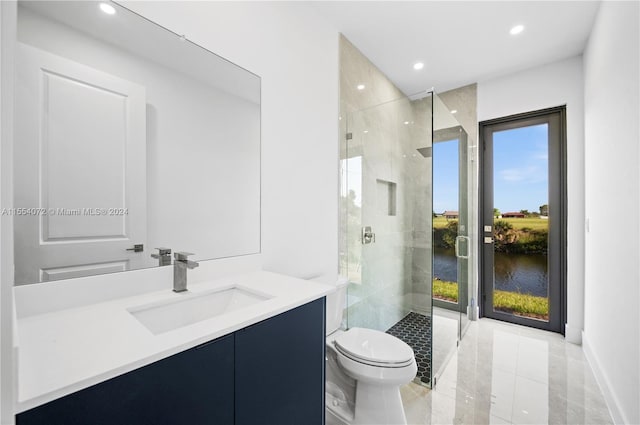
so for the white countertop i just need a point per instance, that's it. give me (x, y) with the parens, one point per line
(64, 351)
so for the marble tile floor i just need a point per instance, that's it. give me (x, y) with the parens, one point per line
(509, 374)
(445, 337)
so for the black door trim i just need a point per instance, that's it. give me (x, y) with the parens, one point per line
(514, 121)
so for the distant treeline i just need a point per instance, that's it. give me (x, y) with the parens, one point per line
(506, 238)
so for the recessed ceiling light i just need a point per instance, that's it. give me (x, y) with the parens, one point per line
(366, 131)
(517, 29)
(360, 87)
(406, 123)
(454, 111)
(107, 8)
(418, 66)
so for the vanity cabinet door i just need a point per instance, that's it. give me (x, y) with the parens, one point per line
(280, 369)
(193, 387)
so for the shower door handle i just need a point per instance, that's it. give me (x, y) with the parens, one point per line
(457, 246)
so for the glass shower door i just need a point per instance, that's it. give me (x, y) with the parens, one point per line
(388, 222)
(452, 243)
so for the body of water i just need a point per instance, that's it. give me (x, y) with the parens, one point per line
(526, 274)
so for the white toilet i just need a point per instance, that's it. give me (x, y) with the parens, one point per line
(365, 369)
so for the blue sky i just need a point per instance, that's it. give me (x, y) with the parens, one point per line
(520, 171)
(520, 168)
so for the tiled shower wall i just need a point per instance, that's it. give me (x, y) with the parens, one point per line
(393, 275)
(395, 180)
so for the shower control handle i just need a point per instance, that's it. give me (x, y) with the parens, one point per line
(367, 235)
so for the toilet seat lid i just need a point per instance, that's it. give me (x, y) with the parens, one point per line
(374, 347)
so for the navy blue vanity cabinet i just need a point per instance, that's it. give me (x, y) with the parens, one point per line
(268, 373)
(193, 387)
(280, 369)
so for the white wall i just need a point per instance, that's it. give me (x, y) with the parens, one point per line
(296, 54)
(8, 388)
(612, 278)
(551, 85)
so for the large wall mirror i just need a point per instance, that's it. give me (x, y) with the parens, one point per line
(128, 137)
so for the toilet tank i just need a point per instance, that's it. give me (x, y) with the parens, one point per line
(336, 301)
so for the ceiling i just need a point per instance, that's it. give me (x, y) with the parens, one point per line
(131, 32)
(460, 42)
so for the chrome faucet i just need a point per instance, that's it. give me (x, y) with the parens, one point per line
(163, 256)
(180, 266)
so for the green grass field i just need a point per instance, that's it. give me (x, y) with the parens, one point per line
(532, 223)
(521, 304)
(509, 302)
(444, 290)
(440, 222)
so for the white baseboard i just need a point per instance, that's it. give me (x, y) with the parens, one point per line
(572, 335)
(605, 386)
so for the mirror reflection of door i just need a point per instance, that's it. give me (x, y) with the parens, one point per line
(80, 142)
(196, 114)
(523, 219)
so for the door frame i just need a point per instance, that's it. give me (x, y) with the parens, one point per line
(555, 324)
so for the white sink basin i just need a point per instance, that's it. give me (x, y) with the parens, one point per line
(188, 308)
